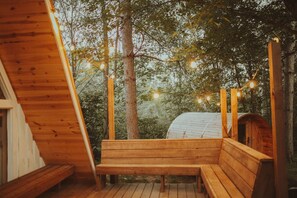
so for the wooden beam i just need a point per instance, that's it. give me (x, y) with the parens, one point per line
(234, 108)
(111, 128)
(223, 101)
(277, 118)
(6, 104)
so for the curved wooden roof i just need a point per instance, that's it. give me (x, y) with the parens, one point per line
(261, 122)
(34, 59)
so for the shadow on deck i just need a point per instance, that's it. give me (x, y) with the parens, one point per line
(126, 190)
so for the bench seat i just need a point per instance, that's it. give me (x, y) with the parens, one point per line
(147, 169)
(217, 183)
(36, 182)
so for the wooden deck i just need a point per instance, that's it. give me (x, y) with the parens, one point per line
(127, 190)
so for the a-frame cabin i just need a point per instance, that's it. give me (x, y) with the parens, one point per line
(36, 81)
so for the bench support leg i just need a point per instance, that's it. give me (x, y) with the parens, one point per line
(162, 189)
(199, 183)
(114, 179)
(101, 182)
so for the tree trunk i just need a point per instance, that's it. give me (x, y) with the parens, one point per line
(106, 65)
(289, 103)
(130, 79)
(116, 44)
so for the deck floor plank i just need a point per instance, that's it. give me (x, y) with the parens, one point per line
(173, 190)
(198, 195)
(127, 190)
(147, 190)
(190, 191)
(114, 190)
(101, 193)
(130, 190)
(156, 190)
(139, 190)
(181, 190)
(122, 191)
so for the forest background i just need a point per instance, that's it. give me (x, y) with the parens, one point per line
(183, 52)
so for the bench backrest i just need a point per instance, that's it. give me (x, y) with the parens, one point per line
(161, 151)
(250, 170)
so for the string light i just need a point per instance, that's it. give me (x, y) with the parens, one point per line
(276, 39)
(102, 66)
(156, 95)
(72, 47)
(252, 84)
(193, 65)
(249, 84)
(112, 76)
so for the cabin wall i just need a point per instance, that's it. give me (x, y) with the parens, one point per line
(23, 153)
(267, 141)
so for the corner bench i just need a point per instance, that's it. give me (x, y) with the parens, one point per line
(36, 182)
(225, 167)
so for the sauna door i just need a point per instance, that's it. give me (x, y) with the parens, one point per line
(248, 134)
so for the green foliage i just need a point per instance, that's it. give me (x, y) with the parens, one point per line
(91, 103)
(226, 38)
(151, 128)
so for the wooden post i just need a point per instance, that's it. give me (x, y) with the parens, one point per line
(234, 108)
(277, 119)
(111, 128)
(162, 187)
(223, 101)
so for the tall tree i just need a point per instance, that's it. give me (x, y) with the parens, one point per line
(130, 79)
(289, 96)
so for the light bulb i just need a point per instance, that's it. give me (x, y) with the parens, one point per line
(218, 104)
(72, 47)
(238, 94)
(199, 100)
(88, 65)
(252, 84)
(156, 95)
(208, 98)
(193, 65)
(102, 66)
(112, 76)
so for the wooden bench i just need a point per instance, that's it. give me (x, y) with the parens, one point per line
(241, 172)
(226, 168)
(36, 182)
(156, 157)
